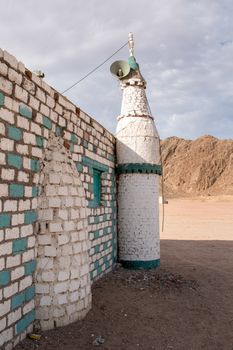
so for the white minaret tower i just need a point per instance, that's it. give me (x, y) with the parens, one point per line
(138, 170)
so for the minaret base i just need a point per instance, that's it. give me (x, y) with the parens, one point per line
(140, 264)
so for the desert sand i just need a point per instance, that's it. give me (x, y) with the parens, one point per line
(187, 304)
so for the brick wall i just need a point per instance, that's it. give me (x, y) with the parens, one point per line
(31, 113)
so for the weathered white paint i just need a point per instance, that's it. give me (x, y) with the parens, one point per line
(138, 194)
(62, 278)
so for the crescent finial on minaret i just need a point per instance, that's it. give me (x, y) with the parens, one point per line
(131, 44)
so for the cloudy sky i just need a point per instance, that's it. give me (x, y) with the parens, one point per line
(184, 48)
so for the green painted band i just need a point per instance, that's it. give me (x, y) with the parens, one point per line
(140, 264)
(141, 168)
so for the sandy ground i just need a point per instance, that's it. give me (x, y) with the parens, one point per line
(187, 304)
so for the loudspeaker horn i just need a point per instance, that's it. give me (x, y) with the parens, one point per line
(120, 69)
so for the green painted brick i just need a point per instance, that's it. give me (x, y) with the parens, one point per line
(99, 270)
(25, 321)
(35, 191)
(30, 217)
(35, 165)
(15, 160)
(91, 275)
(4, 278)
(96, 264)
(30, 267)
(96, 249)
(17, 300)
(47, 122)
(85, 144)
(39, 141)
(16, 190)
(30, 293)
(79, 167)
(19, 245)
(58, 131)
(90, 187)
(15, 133)
(96, 234)
(2, 99)
(94, 164)
(74, 138)
(25, 111)
(5, 220)
(96, 219)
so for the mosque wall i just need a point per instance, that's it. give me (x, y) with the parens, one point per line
(57, 204)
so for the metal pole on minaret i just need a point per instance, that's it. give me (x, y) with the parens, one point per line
(138, 169)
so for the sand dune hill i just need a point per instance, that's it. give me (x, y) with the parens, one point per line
(200, 167)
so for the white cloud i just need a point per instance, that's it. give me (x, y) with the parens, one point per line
(184, 48)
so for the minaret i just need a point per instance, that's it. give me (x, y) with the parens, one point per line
(138, 170)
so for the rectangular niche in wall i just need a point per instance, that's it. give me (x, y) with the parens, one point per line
(97, 187)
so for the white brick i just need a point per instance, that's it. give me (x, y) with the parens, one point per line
(2, 158)
(31, 241)
(2, 129)
(23, 176)
(10, 205)
(22, 149)
(14, 76)
(55, 227)
(21, 94)
(6, 144)
(25, 282)
(12, 261)
(2, 323)
(28, 307)
(45, 263)
(45, 215)
(45, 300)
(22, 122)
(3, 69)
(42, 288)
(34, 103)
(50, 251)
(29, 138)
(48, 276)
(74, 285)
(44, 239)
(5, 308)
(6, 248)
(63, 214)
(10, 59)
(3, 190)
(24, 204)
(37, 152)
(17, 273)
(6, 86)
(62, 299)
(11, 290)
(2, 264)
(26, 230)
(69, 225)
(60, 287)
(63, 275)
(14, 316)
(28, 255)
(8, 174)
(62, 239)
(17, 219)
(6, 336)
(54, 202)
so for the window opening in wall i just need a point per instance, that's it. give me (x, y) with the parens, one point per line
(97, 186)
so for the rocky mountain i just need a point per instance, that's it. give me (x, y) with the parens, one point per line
(200, 167)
